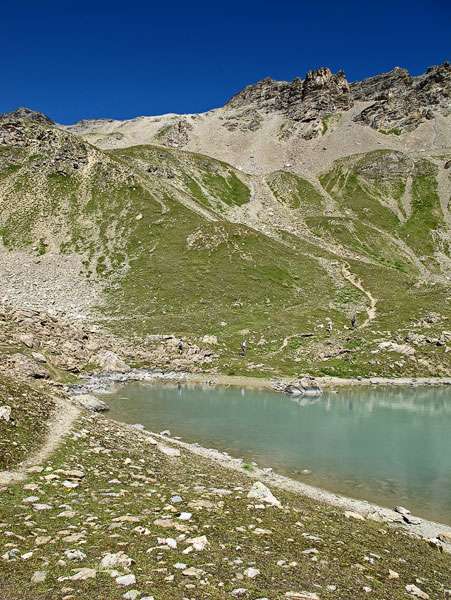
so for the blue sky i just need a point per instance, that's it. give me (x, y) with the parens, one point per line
(80, 59)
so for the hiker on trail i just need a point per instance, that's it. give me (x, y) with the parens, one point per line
(354, 322)
(329, 326)
(243, 348)
(180, 346)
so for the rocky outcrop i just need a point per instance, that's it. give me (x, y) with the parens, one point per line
(305, 102)
(400, 102)
(375, 88)
(403, 102)
(27, 114)
(175, 136)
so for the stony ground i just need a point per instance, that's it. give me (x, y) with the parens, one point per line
(114, 513)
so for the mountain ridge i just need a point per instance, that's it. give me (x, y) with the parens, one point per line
(329, 253)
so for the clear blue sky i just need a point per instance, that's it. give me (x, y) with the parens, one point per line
(85, 59)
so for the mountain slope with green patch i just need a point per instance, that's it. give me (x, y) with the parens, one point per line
(178, 244)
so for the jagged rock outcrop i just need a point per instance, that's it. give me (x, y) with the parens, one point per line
(28, 114)
(177, 135)
(374, 88)
(304, 102)
(403, 102)
(400, 102)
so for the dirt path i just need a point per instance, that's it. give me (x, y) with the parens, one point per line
(59, 425)
(355, 281)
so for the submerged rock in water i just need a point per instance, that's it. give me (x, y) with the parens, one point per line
(306, 386)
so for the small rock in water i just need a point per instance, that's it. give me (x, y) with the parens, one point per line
(259, 491)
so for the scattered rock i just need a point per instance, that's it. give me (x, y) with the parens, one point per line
(349, 514)
(39, 577)
(91, 403)
(415, 591)
(259, 491)
(5, 413)
(125, 580)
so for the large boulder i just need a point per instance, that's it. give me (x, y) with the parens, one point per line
(110, 362)
(91, 403)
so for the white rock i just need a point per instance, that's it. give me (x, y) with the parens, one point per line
(199, 543)
(131, 595)
(392, 574)
(109, 361)
(349, 514)
(71, 485)
(413, 590)
(192, 572)
(39, 576)
(74, 555)
(168, 451)
(251, 572)
(302, 596)
(5, 413)
(39, 507)
(125, 580)
(259, 491)
(212, 340)
(83, 574)
(118, 559)
(185, 516)
(90, 402)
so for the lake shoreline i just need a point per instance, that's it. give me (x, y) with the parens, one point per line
(101, 382)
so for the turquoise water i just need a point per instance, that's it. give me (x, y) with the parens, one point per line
(390, 446)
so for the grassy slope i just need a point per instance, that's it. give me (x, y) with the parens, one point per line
(125, 475)
(30, 411)
(169, 269)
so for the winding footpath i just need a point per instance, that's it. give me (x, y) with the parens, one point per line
(59, 425)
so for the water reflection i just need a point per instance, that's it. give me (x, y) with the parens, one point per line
(391, 445)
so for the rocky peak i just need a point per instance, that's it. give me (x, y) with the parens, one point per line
(304, 101)
(374, 88)
(263, 93)
(403, 102)
(28, 115)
